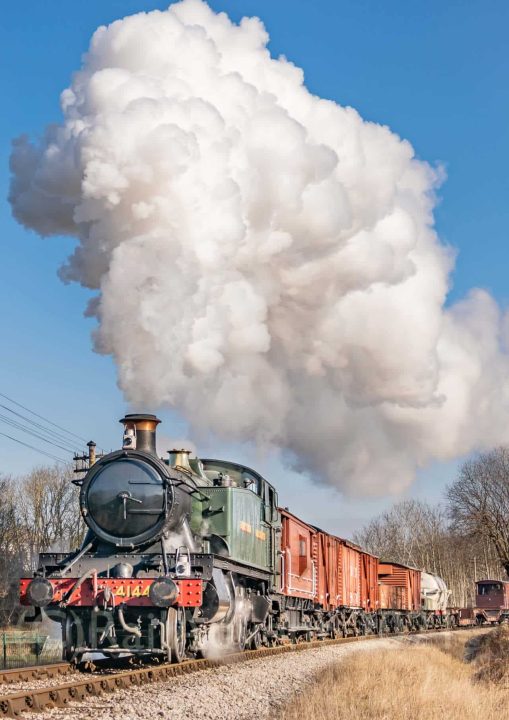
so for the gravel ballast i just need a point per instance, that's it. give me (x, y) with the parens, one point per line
(249, 690)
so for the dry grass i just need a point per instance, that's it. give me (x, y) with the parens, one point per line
(461, 644)
(419, 682)
(491, 657)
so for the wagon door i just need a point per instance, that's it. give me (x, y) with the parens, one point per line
(326, 570)
(369, 583)
(352, 576)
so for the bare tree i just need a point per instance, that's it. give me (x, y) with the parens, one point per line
(12, 550)
(49, 510)
(39, 512)
(479, 501)
(411, 532)
(416, 533)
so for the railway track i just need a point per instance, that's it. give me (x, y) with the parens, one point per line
(35, 672)
(94, 684)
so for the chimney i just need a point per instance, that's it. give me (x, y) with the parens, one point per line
(140, 432)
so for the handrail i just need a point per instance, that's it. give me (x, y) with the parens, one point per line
(311, 580)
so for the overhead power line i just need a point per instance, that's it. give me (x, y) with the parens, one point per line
(33, 433)
(42, 452)
(41, 417)
(51, 435)
(43, 432)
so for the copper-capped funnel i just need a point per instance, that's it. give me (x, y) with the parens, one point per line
(140, 432)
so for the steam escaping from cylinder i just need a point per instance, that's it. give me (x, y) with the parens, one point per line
(263, 260)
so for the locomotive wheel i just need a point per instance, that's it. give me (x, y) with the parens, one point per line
(239, 632)
(70, 639)
(256, 641)
(68, 646)
(176, 634)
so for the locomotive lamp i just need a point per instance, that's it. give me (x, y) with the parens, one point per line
(183, 562)
(129, 439)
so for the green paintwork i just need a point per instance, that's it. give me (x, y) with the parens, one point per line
(238, 519)
(237, 515)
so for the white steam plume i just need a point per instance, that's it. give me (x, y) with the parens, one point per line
(265, 260)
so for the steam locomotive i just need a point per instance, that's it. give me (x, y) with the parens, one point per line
(182, 554)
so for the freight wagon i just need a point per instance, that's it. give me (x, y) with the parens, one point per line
(400, 596)
(348, 578)
(327, 575)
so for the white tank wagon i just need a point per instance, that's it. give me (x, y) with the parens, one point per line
(434, 596)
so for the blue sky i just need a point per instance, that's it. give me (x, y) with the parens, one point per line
(435, 72)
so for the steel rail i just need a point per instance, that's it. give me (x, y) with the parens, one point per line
(40, 699)
(34, 672)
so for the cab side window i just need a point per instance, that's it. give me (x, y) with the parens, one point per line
(251, 481)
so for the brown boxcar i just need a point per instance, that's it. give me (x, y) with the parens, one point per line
(331, 571)
(347, 575)
(298, 557)
(400, 586)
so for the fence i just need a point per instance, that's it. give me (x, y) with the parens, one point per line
(20, 649)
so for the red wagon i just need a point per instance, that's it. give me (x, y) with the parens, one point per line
(334, 574)
(299, 569)
(348, 575)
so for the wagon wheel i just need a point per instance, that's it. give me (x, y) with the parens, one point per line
(176, 634)
(334, 630)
